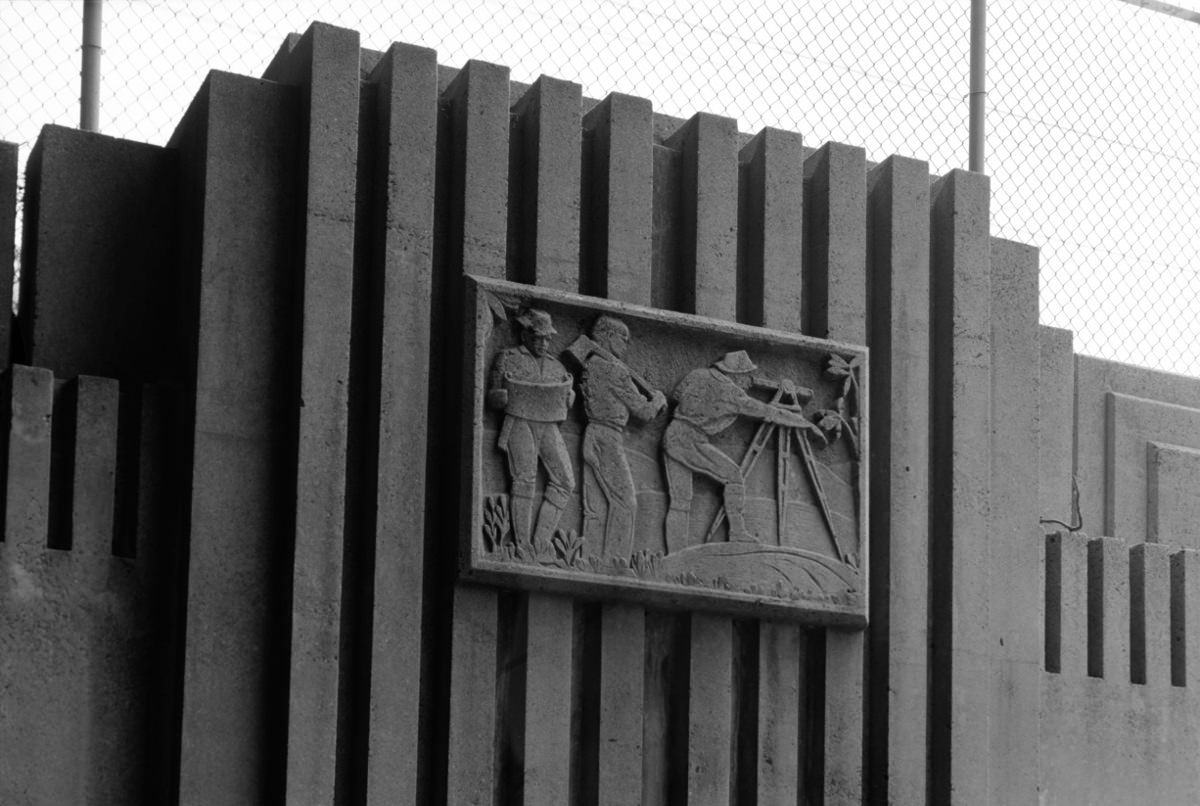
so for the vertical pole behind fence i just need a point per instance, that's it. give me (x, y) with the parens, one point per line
(978, 83)
(89, 97)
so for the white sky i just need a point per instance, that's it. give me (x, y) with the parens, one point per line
(1093, 133)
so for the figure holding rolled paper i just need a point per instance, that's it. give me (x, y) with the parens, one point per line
(535, 392)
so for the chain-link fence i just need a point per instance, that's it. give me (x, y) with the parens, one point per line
(1092, 133)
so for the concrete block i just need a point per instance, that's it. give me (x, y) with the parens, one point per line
(238, 153)
(8, 251)
(1094, 379)
(961, 479)
(622, 699)
(1150, 614)
(27, 396)
(1066, 603)
(1185, 618)
(898, 335)
(84, 466)
(619, 190)
(478, 135)
(1148, 439)
(770, 230)
(707, 224)
(1056, 424)
(544, 170)
(405, 132)
(835, 242)
(472, 716)
(97, 294)
(1172, 507)
(1108, 610)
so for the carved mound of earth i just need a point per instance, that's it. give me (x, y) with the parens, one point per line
(753, 567)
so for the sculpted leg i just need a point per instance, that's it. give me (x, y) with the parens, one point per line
(522, 466)
(593, 496)
(679, 482)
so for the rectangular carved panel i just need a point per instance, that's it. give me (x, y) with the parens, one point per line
(621, 452)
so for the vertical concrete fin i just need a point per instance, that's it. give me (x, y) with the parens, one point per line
(1185, 618)
(770, 293)
(1066, 603)
(473, 141)
(401, 235)
(770, 230)
(238, 149)
(28, 397)
(477, 209)
(8, 252)
(710, 712)
(1150, 614)
(622, 694)
(1015, 540)
(898, 336)
(1108, 609)
(544, 189)
(960, 483)
(707, 231)
(835, 241)
(325, 65)
(835, 277)
(548, 703)
(1056, 423)
(617, 202)
(618, 187)
(472, 725)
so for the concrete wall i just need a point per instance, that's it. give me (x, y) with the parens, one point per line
(229, 570)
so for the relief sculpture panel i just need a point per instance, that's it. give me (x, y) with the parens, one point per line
(617, 451)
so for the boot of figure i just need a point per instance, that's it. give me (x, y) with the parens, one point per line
(547, 522)
(522, 518)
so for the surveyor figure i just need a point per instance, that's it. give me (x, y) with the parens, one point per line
(709, 401)
(534, 391)
(610, 397)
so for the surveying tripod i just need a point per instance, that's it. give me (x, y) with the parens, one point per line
(788, 400)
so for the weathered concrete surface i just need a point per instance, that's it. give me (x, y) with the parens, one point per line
(615, 258)
(544, 165)
(98, 292)
(1056, 424)
(474, 136)
(1134, 425)
(1109, 623)
(619, 172)
(1094, 379)
(771, 230)
(706, 229)
(898, 336)
(1172, 506)
(1185, 619)
(1016, 543)
(1150, 614)
(238, 152)
(401, 314)
(1106, 742)
(771, 293)
(1066, 648)
(960, 545)
(324, 64)
(835, 271)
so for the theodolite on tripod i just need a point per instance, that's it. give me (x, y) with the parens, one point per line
(790, 397)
